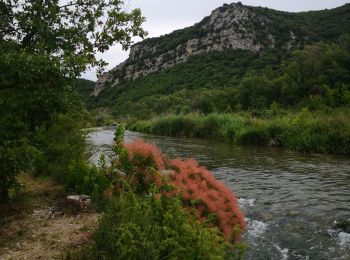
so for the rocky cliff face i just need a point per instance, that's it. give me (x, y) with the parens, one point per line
(233, 26)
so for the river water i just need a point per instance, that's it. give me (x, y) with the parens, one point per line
(291, 201)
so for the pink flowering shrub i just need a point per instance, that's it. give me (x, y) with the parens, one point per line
(196, 183)
(148, 154)
(145, 161)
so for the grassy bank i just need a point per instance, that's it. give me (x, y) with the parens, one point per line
(305, 131)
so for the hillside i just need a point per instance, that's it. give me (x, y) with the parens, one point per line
(84, 88)
(208, 61)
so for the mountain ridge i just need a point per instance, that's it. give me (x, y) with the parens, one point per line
(225, 28)
(229, 27)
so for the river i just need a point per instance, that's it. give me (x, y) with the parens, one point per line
(291, 201)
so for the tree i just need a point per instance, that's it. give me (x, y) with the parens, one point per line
(72, 31)
(44, 46)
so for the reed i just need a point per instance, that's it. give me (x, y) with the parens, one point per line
(307, 132)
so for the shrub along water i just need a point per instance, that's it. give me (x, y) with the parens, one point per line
(305, 131)
(150, 215)
(214, 202)
(145, 227)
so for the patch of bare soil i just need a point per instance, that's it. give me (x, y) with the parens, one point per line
(46, 226)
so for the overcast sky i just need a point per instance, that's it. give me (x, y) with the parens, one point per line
(165, 16)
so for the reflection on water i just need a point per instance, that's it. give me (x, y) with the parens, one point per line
(290, 199)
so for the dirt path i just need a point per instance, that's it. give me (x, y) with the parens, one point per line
(46, 226)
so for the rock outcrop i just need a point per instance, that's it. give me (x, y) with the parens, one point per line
(233, 26)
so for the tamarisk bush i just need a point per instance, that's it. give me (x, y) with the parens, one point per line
(214, 203)
(212, 199)
(146, 154)
(141, 163)
(153, 215)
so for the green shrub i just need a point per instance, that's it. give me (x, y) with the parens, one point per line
(83, 178)
(137, 227)
(251, 136)
(61, 143)
(15, 156)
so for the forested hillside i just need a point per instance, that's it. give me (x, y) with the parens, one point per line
(316, 76)
(302, 61)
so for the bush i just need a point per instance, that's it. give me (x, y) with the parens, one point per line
(190, 182)
(83, 178)
(136, 227)
(145, 161)
(15, 157)
(147, 220)
(251, 136)
(214, 202)
(61, 143)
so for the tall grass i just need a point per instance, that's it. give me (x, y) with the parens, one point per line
(304, 131)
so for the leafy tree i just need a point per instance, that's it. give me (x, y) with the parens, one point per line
(44, 46)
(71, 31)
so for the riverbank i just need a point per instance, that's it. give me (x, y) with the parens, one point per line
(40, 224)
(307, 132)
(143, 213)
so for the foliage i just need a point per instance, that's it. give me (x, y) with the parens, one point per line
(84, 87)
(15, 156)
(82, 178)
(61, 143)
(313, 26)
(319, 132)
(195, 85)
(316, 77)
(70, 31)
(187, 180)
(151, 228)
(143, 162)
(25, 108)
(44, 46)
(143, 218)
(212, 199)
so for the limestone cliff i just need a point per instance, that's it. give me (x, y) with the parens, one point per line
(229, 27)
(233, 26)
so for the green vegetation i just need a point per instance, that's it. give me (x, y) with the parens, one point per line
(148, 228)
(84, 87)
(144, 220)
(316, 77)
(298, 101)
(313, 26)
(308, 27)
(172, 89)
(44, 47)
(305, 131)
(182, 87)
(313, 75)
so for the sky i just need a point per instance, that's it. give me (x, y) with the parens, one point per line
(165, 16)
